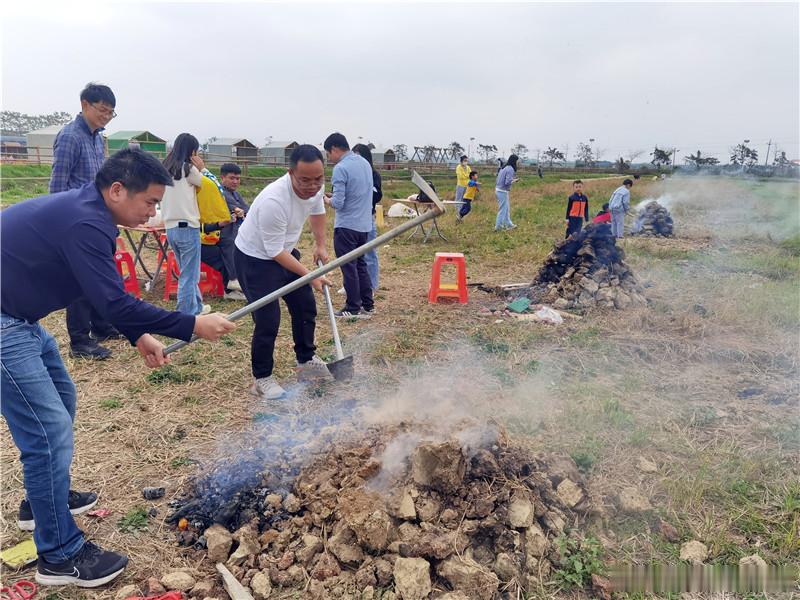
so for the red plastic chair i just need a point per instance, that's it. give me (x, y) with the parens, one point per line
(210, 279)
(125, 263)
(448, 290)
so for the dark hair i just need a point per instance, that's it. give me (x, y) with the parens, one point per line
(463, 156)
(363, 151)
(577, 181)
(471, 173)
(135, 169)
(335, 140)
(512, 160)
(304, 153)
(627, 182)
(97, 92)
(230, 168)
(178, 161)
(605, 206)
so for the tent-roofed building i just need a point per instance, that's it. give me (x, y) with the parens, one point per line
(383, 156)
(13, 147)
(137, 139)
(224, 150)
(277, 152)
(40, 143)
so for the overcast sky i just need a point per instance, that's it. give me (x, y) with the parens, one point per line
(693, 76)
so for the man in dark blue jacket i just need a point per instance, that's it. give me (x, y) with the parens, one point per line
(56, 249)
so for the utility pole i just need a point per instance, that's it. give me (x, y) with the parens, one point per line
(766, 158)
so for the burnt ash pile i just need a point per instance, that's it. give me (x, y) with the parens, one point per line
(653, 219)
(587, 270)
(429, 519)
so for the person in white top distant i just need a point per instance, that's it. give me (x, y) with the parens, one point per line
(182, 220)
(267, 259)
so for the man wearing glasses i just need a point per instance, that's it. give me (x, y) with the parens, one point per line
(78, 153)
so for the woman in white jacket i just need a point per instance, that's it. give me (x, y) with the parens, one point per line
(182, 220)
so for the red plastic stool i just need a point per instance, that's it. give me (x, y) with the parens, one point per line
(448, 290)
(129, 280)
(210, 279)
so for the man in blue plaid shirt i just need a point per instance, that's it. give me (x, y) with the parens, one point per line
(78, 153)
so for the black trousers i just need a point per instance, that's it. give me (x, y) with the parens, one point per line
(261, 277)
(81, 319)
(227, 244)
(574, 225)
(357, 283)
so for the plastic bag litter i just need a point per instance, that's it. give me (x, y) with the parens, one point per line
(399, 209)
(548, 315)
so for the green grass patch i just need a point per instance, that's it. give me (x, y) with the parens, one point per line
(180, 461)
(170, 374)
(134, 520)
(579, 559)
(111, 403)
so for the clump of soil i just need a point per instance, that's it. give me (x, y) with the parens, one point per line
(654, 220)
(406, 508)
(587, 270)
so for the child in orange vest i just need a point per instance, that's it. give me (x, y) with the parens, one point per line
(577, 209)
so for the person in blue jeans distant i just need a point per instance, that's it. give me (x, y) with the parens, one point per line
(57, 249)
(506, 177)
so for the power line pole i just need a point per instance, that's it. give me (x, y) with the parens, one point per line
(767, 157)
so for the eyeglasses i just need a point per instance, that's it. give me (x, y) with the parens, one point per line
(104, 111)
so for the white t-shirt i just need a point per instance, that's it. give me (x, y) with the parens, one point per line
(180, 200)
(275, 220)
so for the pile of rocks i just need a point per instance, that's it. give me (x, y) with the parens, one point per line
(442, 519)
(653, 219)
(587, 270)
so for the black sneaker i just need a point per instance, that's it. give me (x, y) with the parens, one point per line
(90, 568)
(90, 350)
(370, 311)
(79, 502)
(107, 334)
(346, 314)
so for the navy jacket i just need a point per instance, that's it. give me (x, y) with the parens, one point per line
(59, 248)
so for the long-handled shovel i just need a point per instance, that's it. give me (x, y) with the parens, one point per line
(342, 367)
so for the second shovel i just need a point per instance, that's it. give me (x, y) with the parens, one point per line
(342, 367)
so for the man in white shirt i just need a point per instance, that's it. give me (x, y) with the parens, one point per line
(267, 259)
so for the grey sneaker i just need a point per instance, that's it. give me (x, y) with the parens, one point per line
(314, 369)
(266, 388)
(234, 285)
(206, 309)
(234, 295)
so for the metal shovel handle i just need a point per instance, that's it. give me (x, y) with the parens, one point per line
(336, 340)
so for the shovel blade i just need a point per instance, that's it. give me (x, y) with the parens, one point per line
(342, 369)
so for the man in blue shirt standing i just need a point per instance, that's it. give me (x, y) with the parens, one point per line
(56, 249)
(352, 198)
(78, 153)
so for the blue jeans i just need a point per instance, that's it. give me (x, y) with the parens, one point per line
(503, 220)
(371, 257)
(39, 407)
(460, 189)
(185, 243)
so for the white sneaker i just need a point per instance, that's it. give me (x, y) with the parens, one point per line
(206, 309)
(340, 291)
(234, 295)
(313, 369)
(233, 284)
(266, 388)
